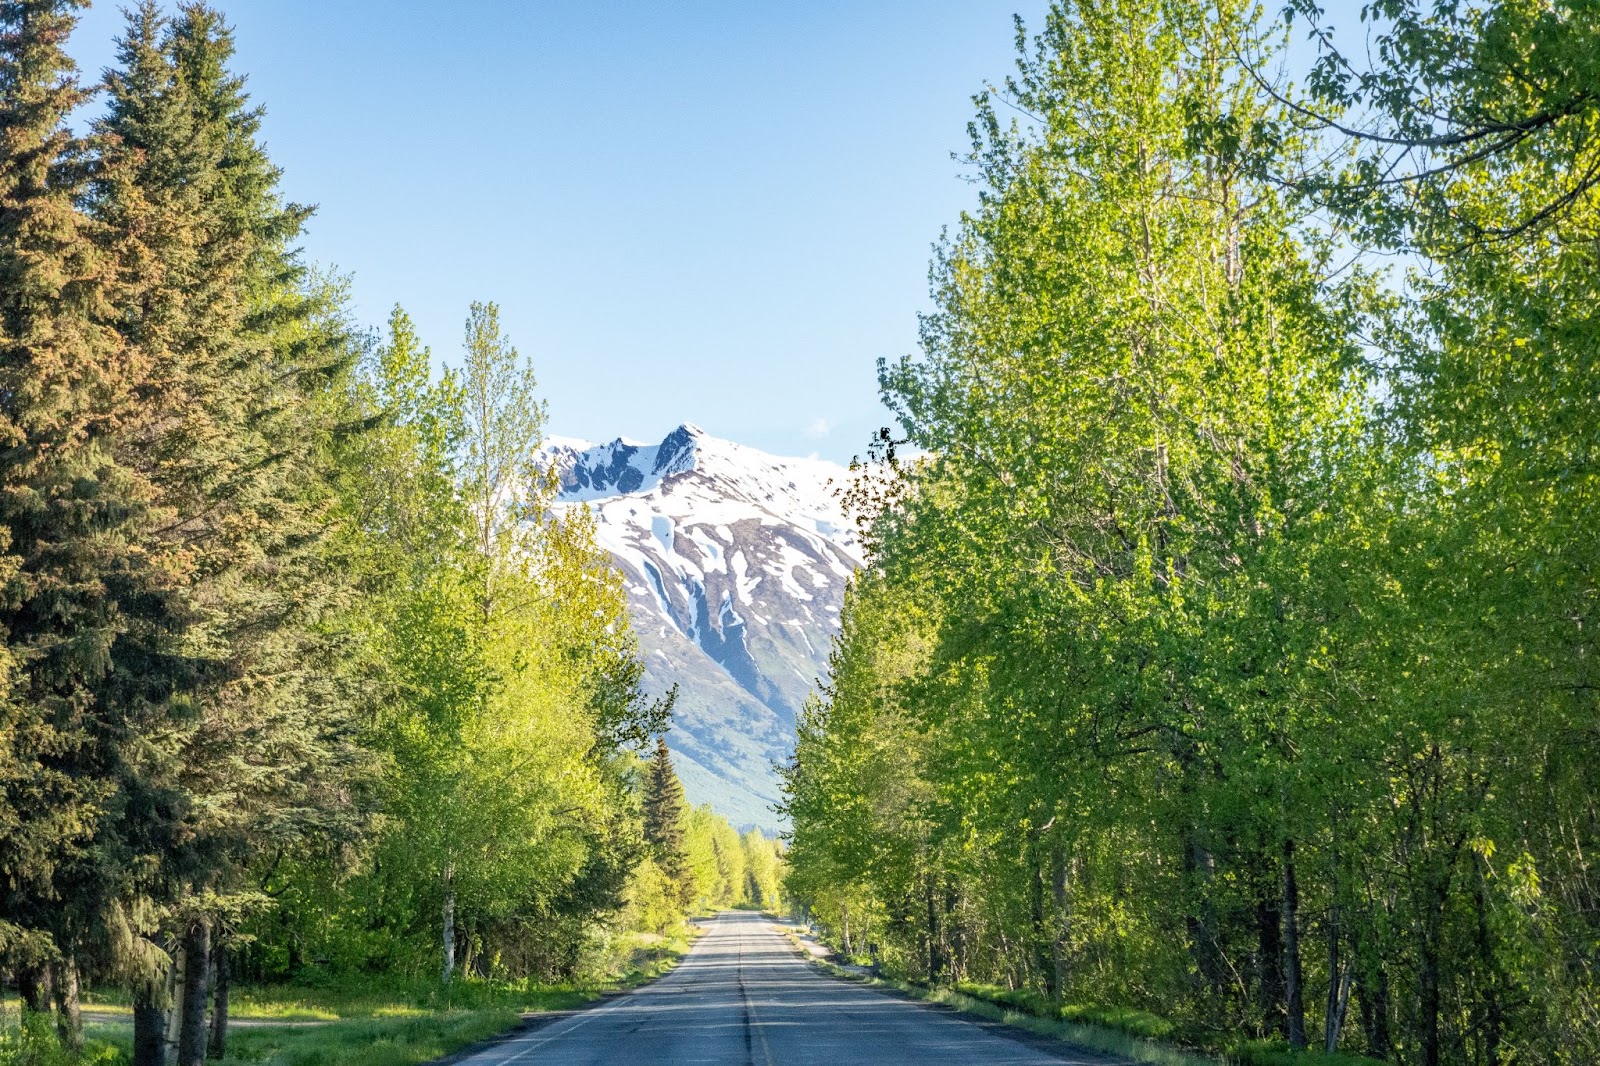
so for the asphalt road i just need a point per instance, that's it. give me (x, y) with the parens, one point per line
(743, 996)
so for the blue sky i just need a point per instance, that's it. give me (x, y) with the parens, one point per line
(688, 210)
(702, 211)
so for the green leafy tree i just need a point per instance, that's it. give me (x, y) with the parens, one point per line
(1212, 654)
(504, 675)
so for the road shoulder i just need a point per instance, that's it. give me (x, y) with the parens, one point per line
(533, 1021)
(989, 1017)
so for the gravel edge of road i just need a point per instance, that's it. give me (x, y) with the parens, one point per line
(1049, 1045)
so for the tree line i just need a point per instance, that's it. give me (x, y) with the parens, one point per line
(1227, 644)
(301, 669)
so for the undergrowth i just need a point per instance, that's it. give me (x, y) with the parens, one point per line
(343, 1020)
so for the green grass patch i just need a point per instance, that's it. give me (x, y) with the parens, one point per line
(351, 998)
(30, 1040)
(1140, 1023)
(372, 1041)
(1093, 1035)
(344, 1021)
(1277, 1053)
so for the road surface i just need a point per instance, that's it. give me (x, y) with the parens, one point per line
(743, 996)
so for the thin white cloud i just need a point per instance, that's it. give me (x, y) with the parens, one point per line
(819, 429)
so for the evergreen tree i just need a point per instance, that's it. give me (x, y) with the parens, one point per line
(87, 607)
(664, 815)
(240, 419)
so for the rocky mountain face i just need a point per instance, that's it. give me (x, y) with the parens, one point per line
(735, 563)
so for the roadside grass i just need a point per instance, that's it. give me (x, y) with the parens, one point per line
(1136, 1035)
(1085, 1035)
(371, 1041)
(381, 1020)
(1277, 1053)
(382, 996)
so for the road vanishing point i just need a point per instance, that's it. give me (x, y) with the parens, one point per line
(744, 996)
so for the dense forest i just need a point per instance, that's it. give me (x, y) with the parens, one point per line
(300, 675)
(1227, 645)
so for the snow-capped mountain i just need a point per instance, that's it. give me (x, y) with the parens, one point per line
(735, 563)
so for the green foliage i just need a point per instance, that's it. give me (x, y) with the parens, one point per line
(383, 1041)
(329, 996)
(1208, 660)
(85, 605)
(726, 869)
(763, 871)
(499, 634)
(652, 900)
(1137, 1023)
(1277, 1053)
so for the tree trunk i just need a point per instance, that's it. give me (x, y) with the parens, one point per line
(934, 967)
(1058, 943)
(1338, 986)
(844, 921)
(69, 1018)
(192, 1028)
(1200, 920)
(33, 984)
(174, 996)
(466, 952)
(1293, 993)
(1430, 1005)
(955, 953)
(149, 1026)
(221, 970)
(1373, 999)
(1042, 964)
(1269, 960)
(449, 924)
(1493, 1019)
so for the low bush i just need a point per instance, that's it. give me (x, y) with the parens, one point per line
(1128, 1020)
(1140, 1023)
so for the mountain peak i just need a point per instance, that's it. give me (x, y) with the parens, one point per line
(735, 564)
(624, 466)
(678, 450)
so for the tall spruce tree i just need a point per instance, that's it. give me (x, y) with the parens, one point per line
(154, 199)
(241, 423)
(664, 817)
(86, 606)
